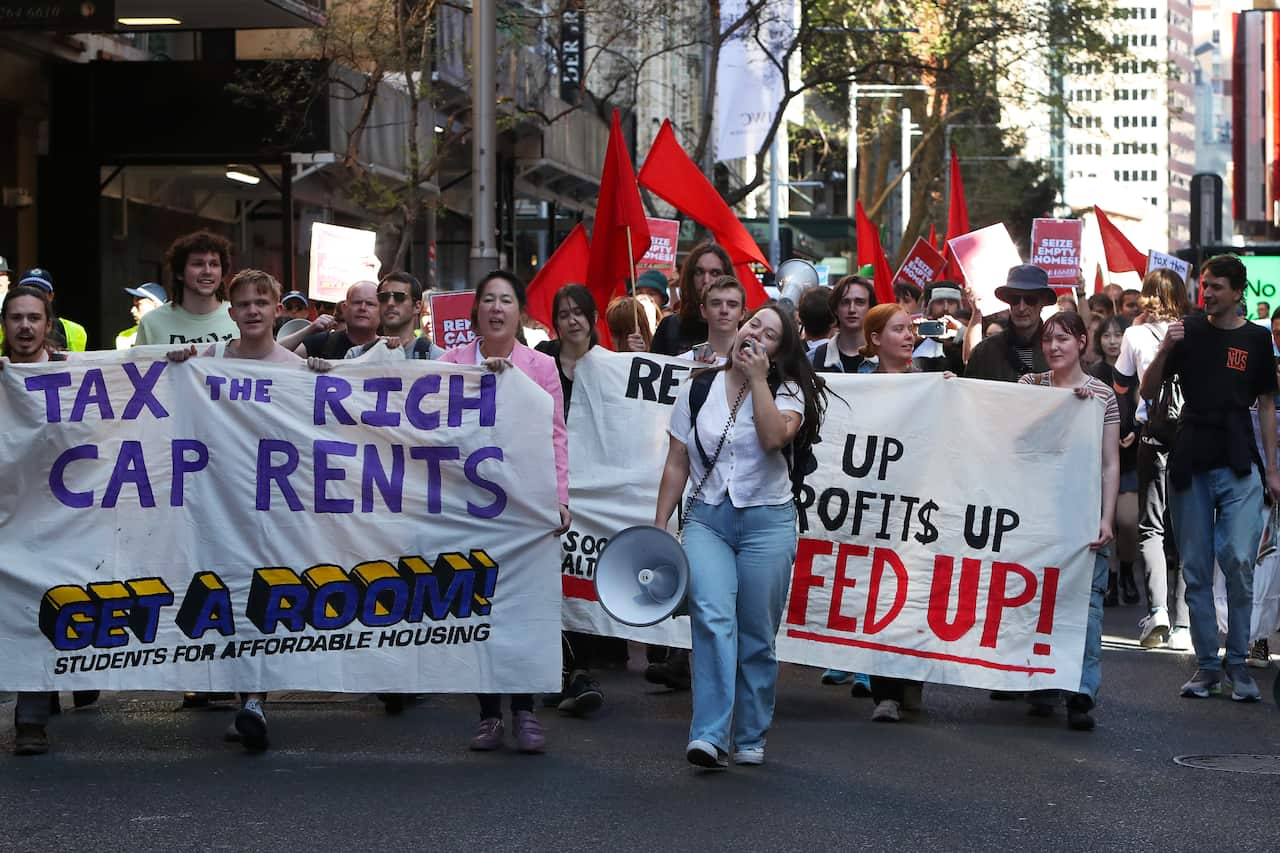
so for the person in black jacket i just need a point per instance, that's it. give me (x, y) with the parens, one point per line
(678, 333)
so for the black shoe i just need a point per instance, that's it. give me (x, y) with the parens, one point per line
(1128, 589)
(583, 696)
(30, 739)
(84, 698)
(1112, 598)
(1078, 717)
(672, 673)
(392, 703)
(1003, 696)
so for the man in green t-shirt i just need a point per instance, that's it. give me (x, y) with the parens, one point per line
(198, 264)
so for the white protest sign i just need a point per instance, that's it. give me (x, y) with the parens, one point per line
(985, 257)
(1156, 260)
(340, 257)
(226, 524)
(913, 560)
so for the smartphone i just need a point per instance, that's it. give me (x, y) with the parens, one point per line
(931, 328)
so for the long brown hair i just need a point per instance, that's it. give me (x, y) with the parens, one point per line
(689, 301)
(1164, 295)
(621, 317)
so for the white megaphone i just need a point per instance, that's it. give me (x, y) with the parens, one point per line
(794, 277)
(642, 576)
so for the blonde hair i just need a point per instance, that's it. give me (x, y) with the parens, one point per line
(1164, 294)
(874, 323)
(261, 281)
(621, 317)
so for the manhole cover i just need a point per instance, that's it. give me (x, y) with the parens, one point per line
(1268, 764)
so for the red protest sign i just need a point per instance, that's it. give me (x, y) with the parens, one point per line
(451, 319)
(922, 265)
(663, 236)
(985, 257)
(1055, 248)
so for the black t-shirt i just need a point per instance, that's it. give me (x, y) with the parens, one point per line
(327, 345)
(552, 348)
(672, 338)
(1222, 372)
(850, 363)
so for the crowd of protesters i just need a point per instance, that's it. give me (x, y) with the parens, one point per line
(1185, 396)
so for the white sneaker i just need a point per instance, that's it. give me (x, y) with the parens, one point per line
(1180, 639)
(1153, 629)
(887, 711)
(753, 755)
(706, 755)
(251, 722)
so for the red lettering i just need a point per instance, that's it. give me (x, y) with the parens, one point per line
(998, 601)
(966, 600)
(803, 578)
(836, 620)
(885, 557)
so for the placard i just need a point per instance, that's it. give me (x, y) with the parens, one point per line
(1055, 248)
(451, 319)
(922, 265)
(985, 257)
(664, 235)
(339, 258)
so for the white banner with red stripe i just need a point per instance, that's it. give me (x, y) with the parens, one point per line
(944, 536)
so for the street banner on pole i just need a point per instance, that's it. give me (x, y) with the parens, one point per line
(225, 524)
(749, 87)
(1055, 248)
(912, 561)
(339, 258)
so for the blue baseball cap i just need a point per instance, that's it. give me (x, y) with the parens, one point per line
(150, 290)
(37, 277)
(295, 294)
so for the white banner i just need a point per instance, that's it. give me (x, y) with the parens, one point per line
(749, 84)
(944, 536)
(225, 524)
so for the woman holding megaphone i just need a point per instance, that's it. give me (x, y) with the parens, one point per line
(729, 433)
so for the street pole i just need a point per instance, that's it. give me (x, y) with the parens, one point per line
(851, 163)
(484, 134)
(906, 168)
(775, 244)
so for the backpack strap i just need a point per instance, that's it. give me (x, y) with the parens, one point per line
(699, 388)
(422, 347)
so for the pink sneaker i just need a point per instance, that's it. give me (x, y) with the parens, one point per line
(529, 737)
(488, 736)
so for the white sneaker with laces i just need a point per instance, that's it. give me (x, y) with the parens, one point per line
(1153, 629)
(1180, 639)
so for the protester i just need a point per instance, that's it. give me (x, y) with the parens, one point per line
(146, 297)
(1164, 301)
(1130, 304)
(817, 320)
(1016, 351)
(495, 318)
(399, 301)
(890, 341)
(197, 264)
(323, 340)
(1224, 365)
(26, 320)
(849, 301)
(1120, 582)
(937, 353)
(628, 325)
(908, 297)
(64, 334)
(4, 276)
(1275, 335)
(1114, 292)
(680, 332)
(254, 302)
(1064, 340)
(651, 290)
(573, 311)
(1264, 312)
(723, 309)
(739, 526)
(296, 306)
(1100, 305)
(1067, 302)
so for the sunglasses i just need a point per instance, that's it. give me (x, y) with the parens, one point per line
(1021, 299)
(387, 295)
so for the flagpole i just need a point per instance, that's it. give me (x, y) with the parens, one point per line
(631, 265)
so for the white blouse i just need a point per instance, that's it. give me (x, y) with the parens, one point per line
(746, 472)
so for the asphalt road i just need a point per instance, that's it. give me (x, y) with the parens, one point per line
(133, 773)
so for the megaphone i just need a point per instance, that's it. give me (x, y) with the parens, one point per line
(642, 576)
(291, 327)
(795, 276)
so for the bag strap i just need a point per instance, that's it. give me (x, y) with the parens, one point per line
(715, 457)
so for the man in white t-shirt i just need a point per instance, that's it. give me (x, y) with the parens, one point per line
(198, 313)
(1164, 300)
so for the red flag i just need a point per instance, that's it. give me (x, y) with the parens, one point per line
(957, 217)
(1099, 285)
(871, 252)
(567, 265)
(672, 176)
(620, 236)
(933, 236)
(1122, 256)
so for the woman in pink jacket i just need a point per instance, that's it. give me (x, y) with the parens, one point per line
(495, 318)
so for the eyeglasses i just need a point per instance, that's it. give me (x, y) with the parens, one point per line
(1032, 299)
(387, 295)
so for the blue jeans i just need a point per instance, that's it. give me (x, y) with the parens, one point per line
(1091, 668)
(1219, 516)
(740, 566)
